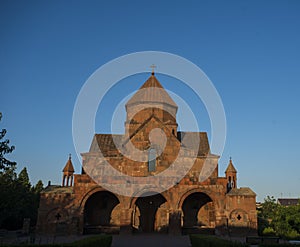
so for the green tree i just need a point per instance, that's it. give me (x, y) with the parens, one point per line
(38, 187)
(5, 148)
(23, 178)
(19, 199)
(279, 220)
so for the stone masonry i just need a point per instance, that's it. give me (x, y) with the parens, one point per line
(196, 202)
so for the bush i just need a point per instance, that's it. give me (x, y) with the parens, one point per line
(212, 241)
(94, 241)
(293, 234)
(269, 231)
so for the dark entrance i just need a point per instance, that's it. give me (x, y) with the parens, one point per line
(97, 211)
(198, 213)
(148, 207)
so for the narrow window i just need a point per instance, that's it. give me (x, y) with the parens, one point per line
(152, 160)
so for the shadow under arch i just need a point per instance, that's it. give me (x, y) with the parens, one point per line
(198, 212)
(150, 212)
(89, 193)
(97, 212)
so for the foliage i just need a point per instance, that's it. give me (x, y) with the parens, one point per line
(95, 241)
(207, 241)
(279, 220)
(269, 231)
(19, 199)
(5, 164)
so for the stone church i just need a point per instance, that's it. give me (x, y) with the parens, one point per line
(84, 203)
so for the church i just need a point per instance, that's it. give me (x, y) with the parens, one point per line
(151, 154)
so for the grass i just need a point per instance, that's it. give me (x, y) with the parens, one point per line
(213, 241)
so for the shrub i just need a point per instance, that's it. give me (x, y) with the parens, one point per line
(269, 231)
(94, 241)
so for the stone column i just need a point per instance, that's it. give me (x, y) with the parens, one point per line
(126, 221)
(175, 222)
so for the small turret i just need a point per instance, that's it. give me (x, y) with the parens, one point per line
(231, 176)
(68, 172)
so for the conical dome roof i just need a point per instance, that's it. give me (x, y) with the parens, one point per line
(151, 92)
(69, 166)
(230, 167)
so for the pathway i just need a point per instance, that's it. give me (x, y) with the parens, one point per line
(150, 240)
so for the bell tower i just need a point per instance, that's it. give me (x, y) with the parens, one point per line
(68, 172)
(231, 176)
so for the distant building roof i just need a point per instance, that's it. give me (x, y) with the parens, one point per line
(288, 201)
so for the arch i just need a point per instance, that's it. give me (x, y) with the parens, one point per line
(239, 217)
(192, 191)
(99, 214)
(198, 211)
(56, 215)
(147, 191)
(150, 213)
(89, 193)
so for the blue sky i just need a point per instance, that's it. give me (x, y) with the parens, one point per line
(249, 49)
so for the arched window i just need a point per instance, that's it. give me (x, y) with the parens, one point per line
(229, 184)
(152, 160)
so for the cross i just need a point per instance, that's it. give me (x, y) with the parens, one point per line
(58, 216)
(153, 67)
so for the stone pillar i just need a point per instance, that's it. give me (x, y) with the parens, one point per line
(126, 221)
(175, 222)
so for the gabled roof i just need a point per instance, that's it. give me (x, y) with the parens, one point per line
(191, 139)
(69, 166)
(288, 201)
(105, 142)
(244, 191)
(57, 189)
(151, 92)
(230, 167)
(144, 124)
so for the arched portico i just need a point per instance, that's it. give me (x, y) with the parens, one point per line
(98, 213)
(198, 212)
(150, 213)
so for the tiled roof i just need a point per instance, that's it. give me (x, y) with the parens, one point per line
(190, 139)
(288, 201)
(151, 92)
(244, 191)
(106, 142)
(58, 189)
(230, 167)
(69, 166)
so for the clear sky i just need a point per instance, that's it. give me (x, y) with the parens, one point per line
(249, 49)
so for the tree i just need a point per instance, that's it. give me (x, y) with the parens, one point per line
(19, 199)
(23, 178)
(38, 187)
(279, 220)
(5, 148)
